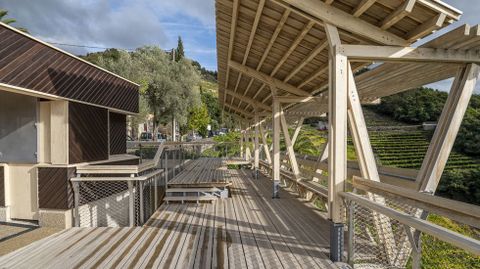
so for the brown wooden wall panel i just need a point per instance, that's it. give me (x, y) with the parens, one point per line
(2, 186)
(27, 63)
(88, 133)
(54, 187)
(118, 133)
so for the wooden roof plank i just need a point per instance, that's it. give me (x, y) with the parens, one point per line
(341, 19)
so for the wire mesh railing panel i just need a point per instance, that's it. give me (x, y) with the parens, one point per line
(436, 253)
(103, 203)
(378, 241)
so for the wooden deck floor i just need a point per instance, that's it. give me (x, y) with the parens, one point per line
(207, 172)
(248, 230)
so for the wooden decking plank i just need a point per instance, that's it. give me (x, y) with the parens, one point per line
(82, 251)
(315, 251)
(250, 247)
(220, 244)
(177, 239)
(203, 257)
(156, 239)
(61, 253)
(23, 255)
(55, 245)
(98, 254)
(10, 257)
(282, 250)
(117, 248)
(158, 245)
(186, 251)
(193, 247)
(129, 249)
(302, 255)
(236, 254)
(268, 254)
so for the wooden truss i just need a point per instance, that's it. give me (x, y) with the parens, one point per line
(311, 71)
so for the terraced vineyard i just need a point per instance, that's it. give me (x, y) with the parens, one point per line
(405, 146)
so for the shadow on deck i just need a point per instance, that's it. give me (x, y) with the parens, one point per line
(247, 230)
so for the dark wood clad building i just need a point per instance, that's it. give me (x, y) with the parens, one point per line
(57, 111)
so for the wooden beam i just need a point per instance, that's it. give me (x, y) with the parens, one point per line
(239, 110)
(256, 153)
(447, 128)
(289, 145)
(427, 227)
(233, 27)
(258, 14)
(294, 45)
(426, 28)
(329, 2)
(397, 15)
(458, 211)
(297, 130)
(313, 53)
(359, 133)
(296, 99)
(321, 70)
(266, 149)
(269, 47)
(362, 7)
(248, 100)
(334, 16)
(408, 54)
(271, 81)
(366, 161)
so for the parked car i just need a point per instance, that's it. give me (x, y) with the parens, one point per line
(193, 137)
(145, 136)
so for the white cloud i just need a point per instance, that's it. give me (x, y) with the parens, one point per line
(92, 23)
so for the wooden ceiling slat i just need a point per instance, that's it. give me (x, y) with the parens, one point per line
(283, 47)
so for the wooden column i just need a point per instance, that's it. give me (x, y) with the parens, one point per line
(337, 138)
(276, 148)
(337, 120)
(447, 128)
(241, 143)
(257, 148)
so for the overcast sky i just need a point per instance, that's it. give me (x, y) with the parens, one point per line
(128, 24)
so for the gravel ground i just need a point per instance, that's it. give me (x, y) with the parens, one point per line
(13, 237)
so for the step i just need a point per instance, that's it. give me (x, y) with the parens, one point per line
(189, 198)
(170, 190)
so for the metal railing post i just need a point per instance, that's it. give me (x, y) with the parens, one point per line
(140, 189)
(155, 189)
(76, 193)
(141, 153)
(166, 168)
(131, 201)
(351, 233)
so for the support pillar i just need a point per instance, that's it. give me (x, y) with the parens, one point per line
(337, 138)
(257, 148)
(276, 148)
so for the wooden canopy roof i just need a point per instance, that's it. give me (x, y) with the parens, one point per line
(33, 67)
(282, 44)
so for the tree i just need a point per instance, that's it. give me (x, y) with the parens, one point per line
(199, 120)
(4, 13)
(179, 52)
(169, 88)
